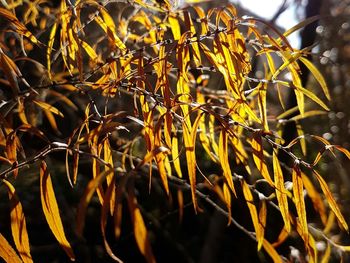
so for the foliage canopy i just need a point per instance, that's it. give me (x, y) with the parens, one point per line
(134, 90)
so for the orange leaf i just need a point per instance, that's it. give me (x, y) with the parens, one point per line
(272, 252)
(18, 224)
(51, 211)
(140, 231)
(7, 252)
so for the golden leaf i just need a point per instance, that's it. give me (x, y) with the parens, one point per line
(7, 252)
(258, 156)
(18, 224)
(300, 202)
(254, 214)
(51, 210)
(223, 156)
(140, 231)
(281, 191)
(227, 197)
(332, 203)
(20, 28)
(272, 252)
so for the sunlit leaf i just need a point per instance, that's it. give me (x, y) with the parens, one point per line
(272, 252)
(7, 253)
(20, 28)
(51, 210)
(253, 213)
(298, 193)
(140, 231)
(281, 191)
(18, 224)
(332, 203)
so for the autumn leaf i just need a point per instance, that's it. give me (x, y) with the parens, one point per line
(18, 224)
(140, 231)
(51, 210)
(7, 253)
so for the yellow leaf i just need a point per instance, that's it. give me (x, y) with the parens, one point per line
(315, 197)
(7, 252)
(140, 231)
(51, 211)
(18, 224)
(327, 254)
(175, 26)
(318, 76)
(46, 106)
(20, 28)
(258, 156)
(227, 197)
(50, 48)
(300, 202)
(332, 203)
(312, 96)
(223, 156)
(253, 213)
(272, 252)
(281, 191)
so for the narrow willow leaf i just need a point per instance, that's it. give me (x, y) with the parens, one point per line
(253, 213)
(272, 252)
(343, 150)
(312, 96)
(318, 76)
(50, 48)
(316, 199)
(281, 237)
(18, 224)
(262, 217)
(20, 28)
(175, 26)
(104, 216)
(281, 191)
(227, 197)
(11, 71)
(327, 254)
(46, 106)
(85, 199)
(7, 253)
(51, 210)
(332, 203)
(223, 156)
(258, 156)
(301, 25)
(140, 231)
(300, 202)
